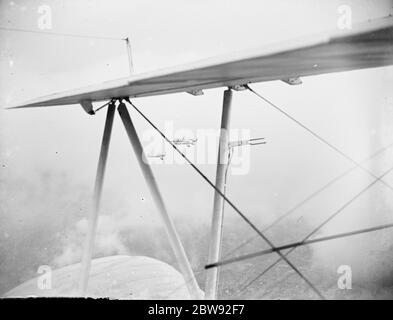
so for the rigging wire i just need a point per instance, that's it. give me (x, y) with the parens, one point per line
(247, 220)
(308, 198)
(288, 246)
(316, 135)
(316, 229)
(298, 244)
(72, 35)
(104, 105)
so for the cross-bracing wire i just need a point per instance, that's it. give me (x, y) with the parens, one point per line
(325, 142)
(316, 229)
(298, 244)
(308, 198)
(247, 220)
(316, 135)
(287, 246)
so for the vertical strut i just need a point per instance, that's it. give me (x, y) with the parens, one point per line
(129, 54)
(217, 220)
(92, 223)
(174, 239)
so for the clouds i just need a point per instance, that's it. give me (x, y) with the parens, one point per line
(107, 241)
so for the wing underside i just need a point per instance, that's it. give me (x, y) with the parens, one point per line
(368, 45)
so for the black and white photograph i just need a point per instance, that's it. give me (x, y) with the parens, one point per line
(196, 150)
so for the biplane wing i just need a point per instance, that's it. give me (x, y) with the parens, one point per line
(114, 277)
(367, 45)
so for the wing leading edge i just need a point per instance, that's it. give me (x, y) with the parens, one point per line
(368, 45)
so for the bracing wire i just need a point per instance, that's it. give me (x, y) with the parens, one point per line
(316, 135)
(298, 244)
(72, 35)
(309, 198)
(289, 246)
(104, 105)
(322, 140)
(247, 220)
(316, 229)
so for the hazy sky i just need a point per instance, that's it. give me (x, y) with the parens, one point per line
(350, 109)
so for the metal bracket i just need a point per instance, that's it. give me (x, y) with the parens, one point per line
(238, 87)
(196, 92)
(251, 142)
(87, 106)
(293, 81)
